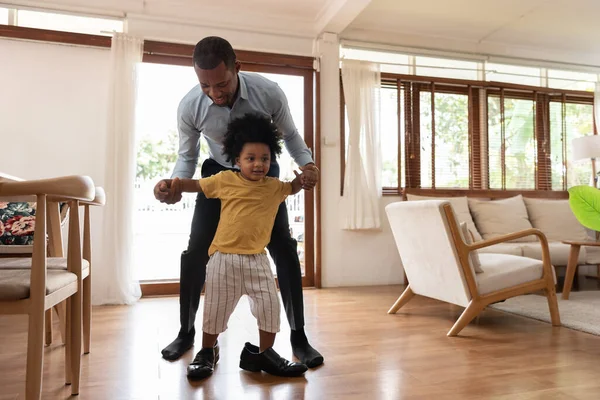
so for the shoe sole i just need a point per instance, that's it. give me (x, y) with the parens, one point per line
(249, 366)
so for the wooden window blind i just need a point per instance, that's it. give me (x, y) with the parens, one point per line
(570, 118)
(512, 149)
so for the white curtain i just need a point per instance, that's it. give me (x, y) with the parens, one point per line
(360, 202)
(113, 263)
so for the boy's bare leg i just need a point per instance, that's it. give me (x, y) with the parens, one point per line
(267, 340)
(204, 362)
(208, 340)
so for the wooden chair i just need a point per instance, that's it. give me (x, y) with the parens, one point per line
(38, 288)
(56, 216)
(436, 259)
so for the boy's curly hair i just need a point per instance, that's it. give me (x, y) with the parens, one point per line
(251, 128)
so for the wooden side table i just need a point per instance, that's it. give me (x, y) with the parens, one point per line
(572, 263)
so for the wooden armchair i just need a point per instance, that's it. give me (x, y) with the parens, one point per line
(38, 288)
(438, 264)
(56, 217)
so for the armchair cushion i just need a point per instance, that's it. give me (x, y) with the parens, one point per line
(14, 283)
(52, 263)
(501, 271)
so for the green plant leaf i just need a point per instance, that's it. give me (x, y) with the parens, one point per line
(585, 204)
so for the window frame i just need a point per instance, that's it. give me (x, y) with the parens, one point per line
(181, 54)
(478, 179)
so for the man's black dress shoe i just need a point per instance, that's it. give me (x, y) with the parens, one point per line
(269, 361)
(204, 363)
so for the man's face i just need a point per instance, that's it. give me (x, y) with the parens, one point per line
(219, 83)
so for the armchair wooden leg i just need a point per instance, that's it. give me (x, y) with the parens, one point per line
(61, 311)
(87, 314)
(472, 310)
(76, 323)
(553, 305)
(35, 355)
(48, 323)
(402, 300)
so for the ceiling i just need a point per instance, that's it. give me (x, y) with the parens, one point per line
(560, 30)
(552, 30)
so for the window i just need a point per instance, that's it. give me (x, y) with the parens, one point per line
(446, 68)
(390, 62)
(390, 137)
(571, 80)
(511, 144)
(458, 132)
(567, 122)
(67, 22)
(3, 16)
(445, 165)
(512, 74)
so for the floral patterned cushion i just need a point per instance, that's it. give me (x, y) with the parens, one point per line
(17, 223)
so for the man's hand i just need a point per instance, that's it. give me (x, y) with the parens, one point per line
(310, 175)
(168, 191)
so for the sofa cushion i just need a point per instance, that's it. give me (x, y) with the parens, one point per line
(503, 248)
(555, 219)
(501, 271)
(559, 252)
(460, 207)
(499, 217)
(592, 254)
(473, 257)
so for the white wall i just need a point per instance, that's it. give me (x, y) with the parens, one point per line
(348, 258)
(53, 101)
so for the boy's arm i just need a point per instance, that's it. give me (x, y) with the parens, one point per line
(188, 185)
(177, 185)
(297, 183)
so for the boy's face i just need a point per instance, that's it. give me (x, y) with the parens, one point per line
(254, 161)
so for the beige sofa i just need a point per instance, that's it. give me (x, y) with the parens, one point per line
(487, 218)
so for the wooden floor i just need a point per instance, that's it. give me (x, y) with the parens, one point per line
(368, 354)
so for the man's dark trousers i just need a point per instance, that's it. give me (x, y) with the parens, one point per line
(283, 250)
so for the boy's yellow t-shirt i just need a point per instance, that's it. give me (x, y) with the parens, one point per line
(248, 210)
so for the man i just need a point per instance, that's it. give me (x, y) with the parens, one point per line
(225, 93)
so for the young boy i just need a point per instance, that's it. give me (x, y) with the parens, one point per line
(238, 262)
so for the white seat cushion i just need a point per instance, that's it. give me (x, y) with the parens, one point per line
(501, 271)
(503, 248)
(53, 263)
(15, 283)
(559, 252)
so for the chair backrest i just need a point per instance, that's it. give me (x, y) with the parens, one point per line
(422, 233)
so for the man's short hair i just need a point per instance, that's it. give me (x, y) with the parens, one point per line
(212, 51)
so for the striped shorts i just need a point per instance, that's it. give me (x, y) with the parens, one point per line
(228, 278)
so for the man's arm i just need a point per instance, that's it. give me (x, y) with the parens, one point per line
(189, 144)
(189, 149)
(282, 117)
